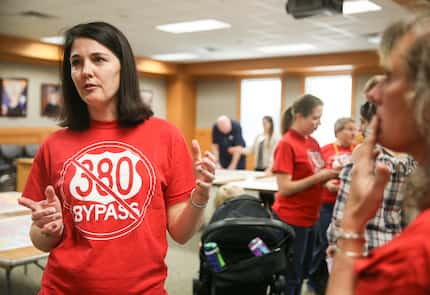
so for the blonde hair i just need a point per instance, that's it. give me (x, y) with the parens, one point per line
(372, 82)
(418, 66)
(340, 124)
(227, 192)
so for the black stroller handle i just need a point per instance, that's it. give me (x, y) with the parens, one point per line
(232, 223)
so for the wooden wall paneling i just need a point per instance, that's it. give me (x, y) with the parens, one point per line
(25, 135)
(204, 137)
(238, 97)
(293, 64)
(353, 93)
(20, 50)
(283, 94)
(155, 67)
(23, 167)
(181, 104)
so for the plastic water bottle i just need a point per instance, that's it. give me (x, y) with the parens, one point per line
(258, 247)
(214, 256)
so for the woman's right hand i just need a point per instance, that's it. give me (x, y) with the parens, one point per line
(333, 185)
(327, 174)
(46, 214)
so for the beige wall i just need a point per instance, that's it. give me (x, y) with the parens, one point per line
(293, 89)
(38, 74)
(158, 87)
(215, 98)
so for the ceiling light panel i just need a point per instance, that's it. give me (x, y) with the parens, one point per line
(359, 6)
(174, 56)
(59, 40)
(300, 47)
(193, 26)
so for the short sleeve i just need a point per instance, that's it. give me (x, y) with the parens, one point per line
(237, 135)
(215, 135)
(38, 178)
(393, 272)
(283, 158)
(181, 180)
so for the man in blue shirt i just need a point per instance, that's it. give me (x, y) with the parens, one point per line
(227, 133)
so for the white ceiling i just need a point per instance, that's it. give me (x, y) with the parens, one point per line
(254, 23)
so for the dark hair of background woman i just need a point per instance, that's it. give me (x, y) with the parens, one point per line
(130, 108)
(270, 120)
(368, 110)
(304, 106)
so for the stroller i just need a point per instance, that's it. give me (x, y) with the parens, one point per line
(233, 225)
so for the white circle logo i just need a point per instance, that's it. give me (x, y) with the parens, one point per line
(107, 187)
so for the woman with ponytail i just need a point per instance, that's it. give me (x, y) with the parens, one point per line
(298, 167)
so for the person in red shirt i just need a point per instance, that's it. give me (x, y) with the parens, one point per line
(335, 155)
(300, 173)
(401, 123)
(104, 191)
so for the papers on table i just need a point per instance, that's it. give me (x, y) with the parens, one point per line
(223, 176)
(14, 232)
(248, 180)
(9, 204)
(266, 184)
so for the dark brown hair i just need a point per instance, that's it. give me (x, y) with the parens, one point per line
(304, 105)
(130, 108)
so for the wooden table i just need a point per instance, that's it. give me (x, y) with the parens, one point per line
(261, 184)
(249, 180)
(246, 179)
(224, 176)
(15, 245)
(23, 166)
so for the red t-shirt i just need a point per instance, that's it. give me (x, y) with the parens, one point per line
(115, 186)
(334, 156)
(300, 157)
(402, 266)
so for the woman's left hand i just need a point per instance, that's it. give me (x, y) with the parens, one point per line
(204, 170)
(369, 178)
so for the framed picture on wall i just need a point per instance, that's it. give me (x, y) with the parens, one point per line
(147, 97)
(14, 93)
(51, 97)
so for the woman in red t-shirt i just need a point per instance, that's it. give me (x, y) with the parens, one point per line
(300, 173)
(336, 155)
(401, 123)
(105, 190)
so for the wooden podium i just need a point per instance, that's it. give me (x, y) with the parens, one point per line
(23, 166)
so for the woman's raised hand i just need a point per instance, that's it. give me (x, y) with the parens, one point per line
(46, 214)
(204, 170)
(367, 185)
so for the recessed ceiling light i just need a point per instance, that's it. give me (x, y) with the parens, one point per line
(375, 39)
(287, 48)
(174, 56)
(193, 26)
(359, 6)
(59, 40)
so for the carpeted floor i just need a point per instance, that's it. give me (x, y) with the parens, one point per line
(182, 261)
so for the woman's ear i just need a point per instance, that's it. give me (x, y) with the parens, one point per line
(298, 116)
